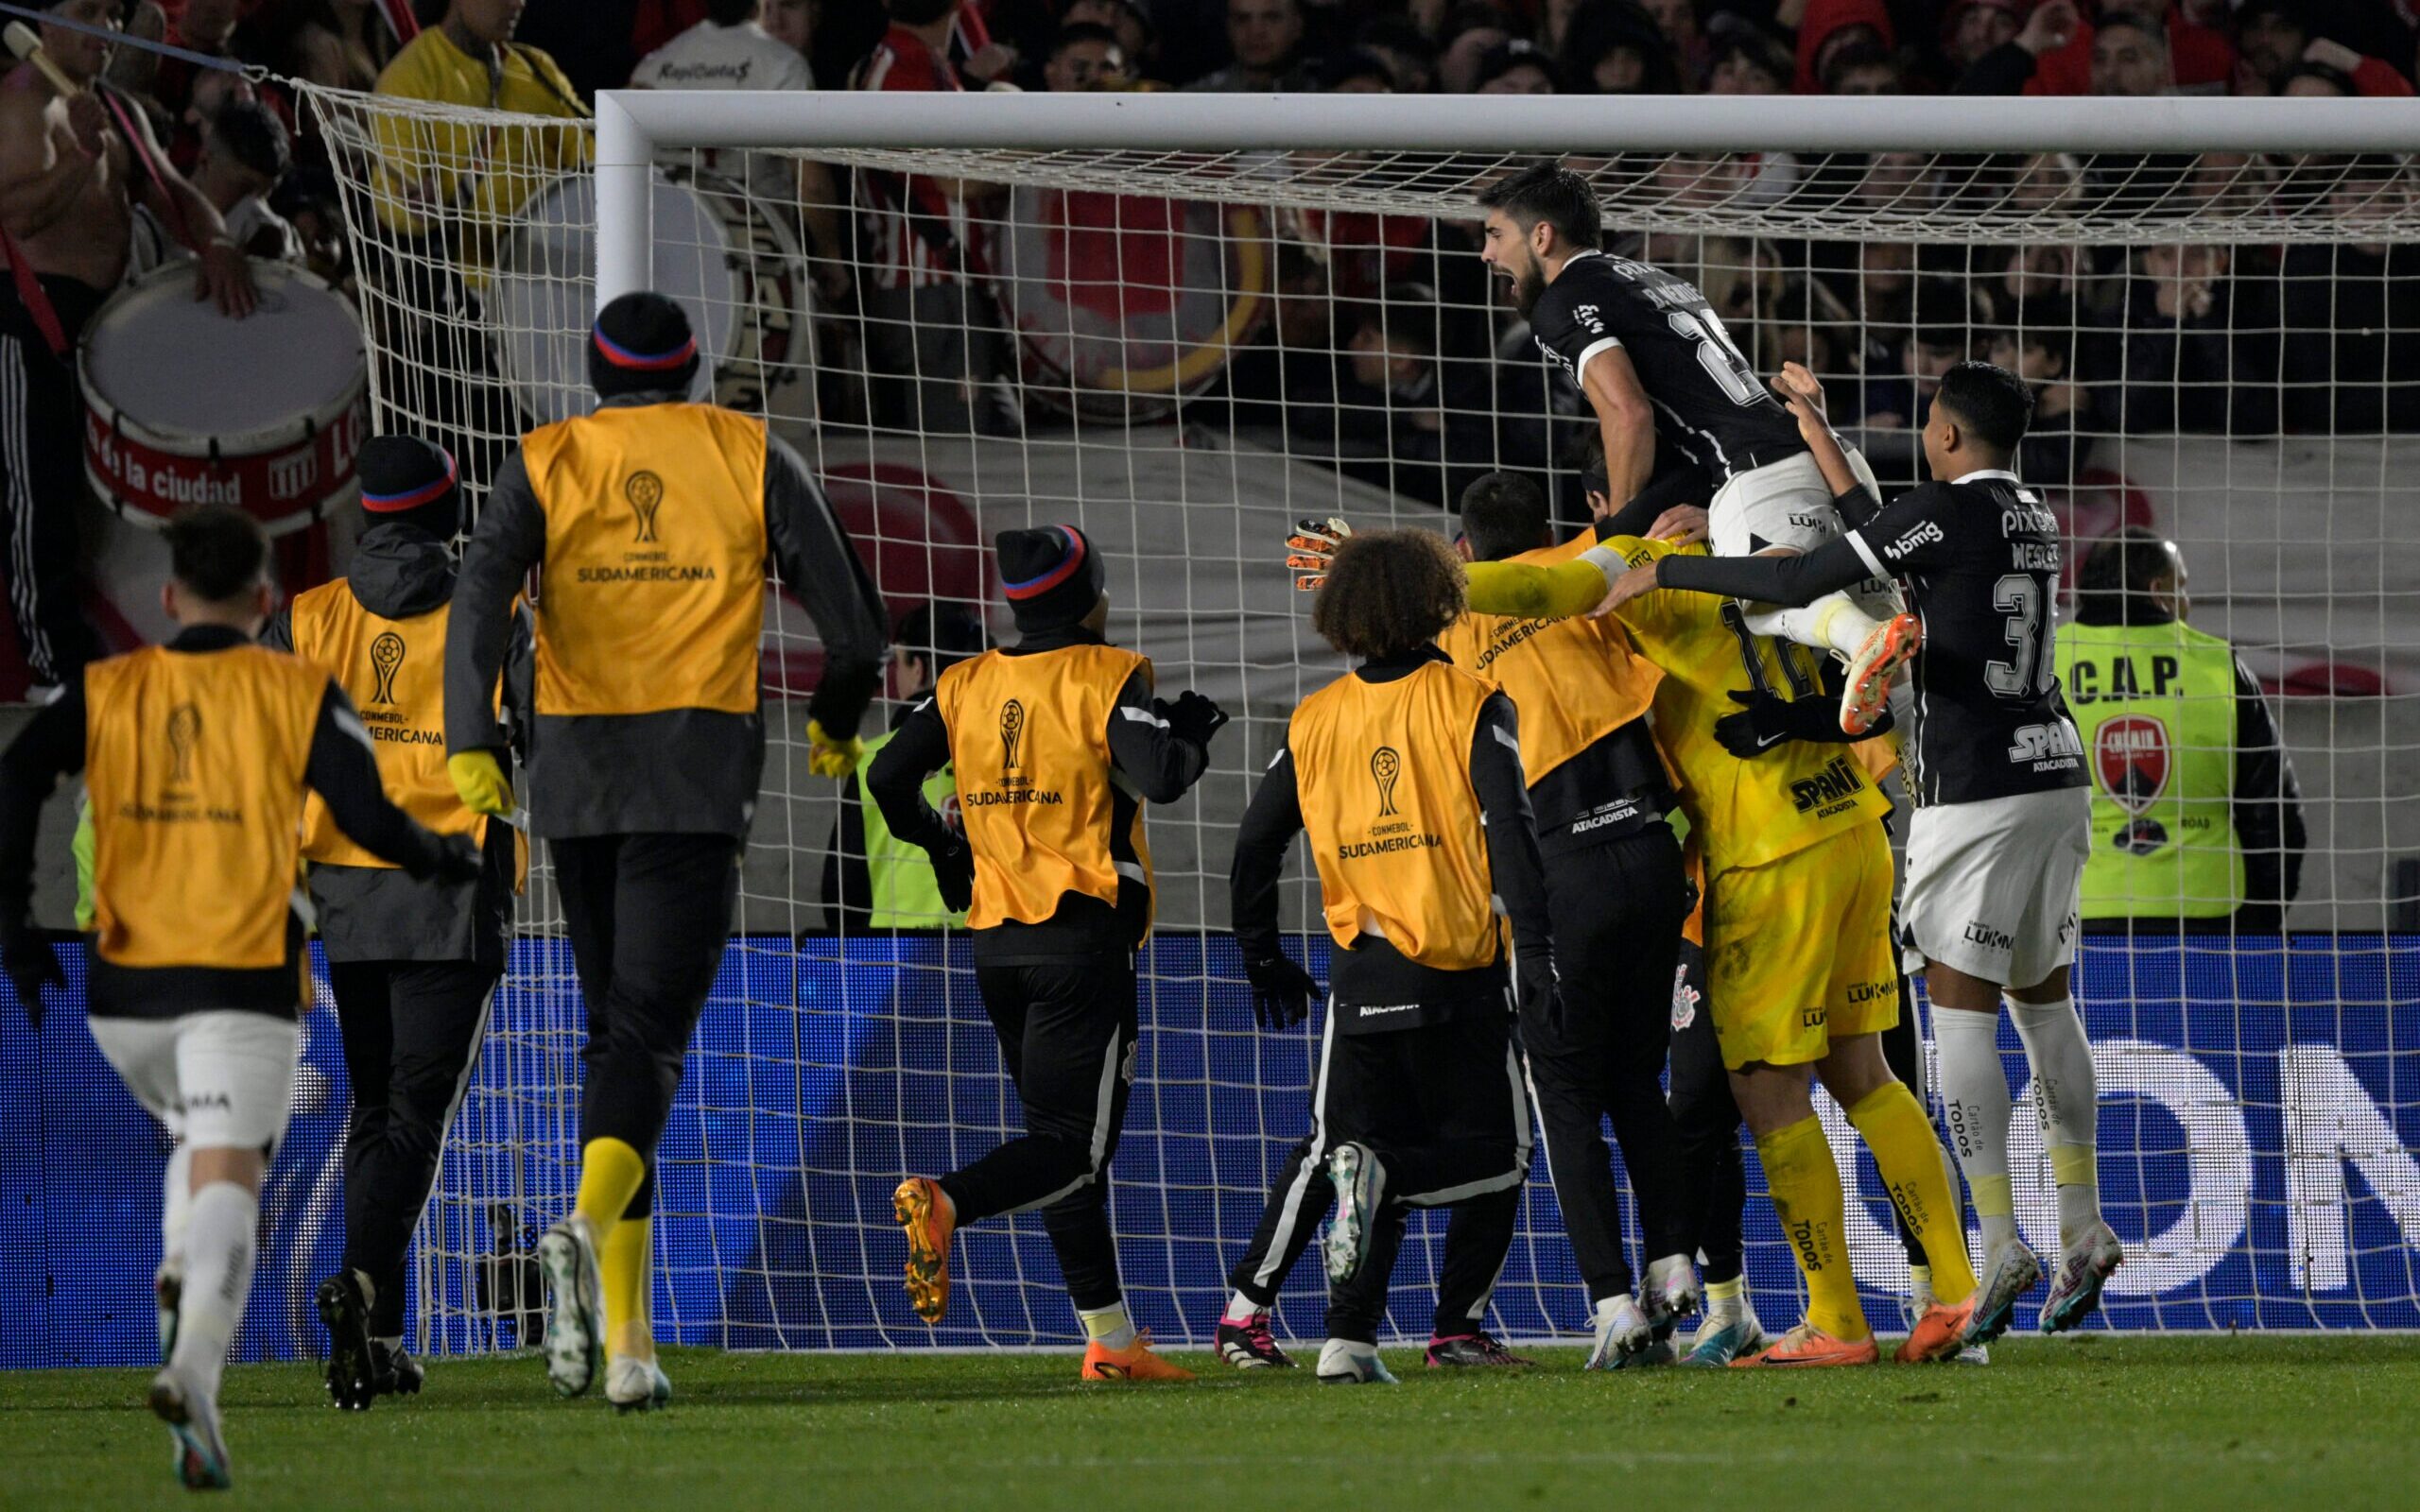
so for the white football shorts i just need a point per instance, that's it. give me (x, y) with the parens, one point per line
(1994, 886)
(218, 1080)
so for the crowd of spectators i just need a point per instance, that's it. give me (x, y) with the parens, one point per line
(1386, 348)
(1386, 345)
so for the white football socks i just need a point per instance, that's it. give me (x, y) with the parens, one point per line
(1833, 622)
(1973, 1091)
(218, 1281)
(175, 1209)
(2068, 1094)
(1109, 1327)
(1241, 1309)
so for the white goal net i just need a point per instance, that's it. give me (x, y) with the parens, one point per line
(1185, 349)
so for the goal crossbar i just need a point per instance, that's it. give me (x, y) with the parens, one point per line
(632, 125)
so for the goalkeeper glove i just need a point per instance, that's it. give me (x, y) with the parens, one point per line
(827, 757)
(1193, 718)
(1281, 991)
(1765, 720)
(954, 874)
(1311, 546)
(479, 780)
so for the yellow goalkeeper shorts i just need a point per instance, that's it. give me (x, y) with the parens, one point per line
(1799, 949)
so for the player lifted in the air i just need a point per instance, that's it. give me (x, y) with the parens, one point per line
(1997, 852)
(1659, 369)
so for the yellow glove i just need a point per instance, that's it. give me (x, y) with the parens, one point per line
(826, 757)
(479, 778)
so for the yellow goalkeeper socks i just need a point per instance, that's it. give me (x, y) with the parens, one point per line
(624, 1264)
(1807, 1192)
(1908, 1154)
(609, 1173)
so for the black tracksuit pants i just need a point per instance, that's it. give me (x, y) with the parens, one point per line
(1443, 1108)
(1067, 1038)
(1618, 911)
(41, 479)
(1708, 1120)
(411, 1034)
(648, 915)
(1477, 1238)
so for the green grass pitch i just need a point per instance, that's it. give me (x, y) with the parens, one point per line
(2209, 1424)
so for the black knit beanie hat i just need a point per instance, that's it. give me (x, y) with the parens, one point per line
(641, 344)
(1051, 577)
(411, 481)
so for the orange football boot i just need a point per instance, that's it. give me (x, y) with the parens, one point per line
(1808, 1345)
(1938, 1335)
(1134, 1363)
(1891, 645)
(924, 1213)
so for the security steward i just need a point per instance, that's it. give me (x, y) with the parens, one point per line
(2197, 820)
(655, 520)
(1405, 773)
(198, 755)
(413, 964)
(1058, 744)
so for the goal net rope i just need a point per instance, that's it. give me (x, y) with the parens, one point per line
(1183, 349)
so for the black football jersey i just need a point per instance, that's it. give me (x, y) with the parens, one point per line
(1709, 403)
(1979, 560)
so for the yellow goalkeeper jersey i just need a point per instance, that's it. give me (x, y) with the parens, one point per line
(1744, 813)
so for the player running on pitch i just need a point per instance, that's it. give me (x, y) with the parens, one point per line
(198, 755)
(1996, 850)
(1057, 743)
(1657, 366)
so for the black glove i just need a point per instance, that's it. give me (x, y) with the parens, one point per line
(1538, 990)
(457, 860)
(954, 874)
(1281, 991)
(1765, 721)
(1193, 717)
(32, 966)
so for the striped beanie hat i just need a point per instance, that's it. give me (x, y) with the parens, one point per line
(410, 480)
(641, 344)
(1052, 576)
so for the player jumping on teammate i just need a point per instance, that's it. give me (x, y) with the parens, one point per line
(1658, 369)
(1997, 852)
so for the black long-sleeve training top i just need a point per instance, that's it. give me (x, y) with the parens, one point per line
(1374, 972)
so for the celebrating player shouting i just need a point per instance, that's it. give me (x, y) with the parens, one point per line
(1658, 368)
(1996, 854)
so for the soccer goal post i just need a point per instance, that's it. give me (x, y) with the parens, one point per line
(1183, 321)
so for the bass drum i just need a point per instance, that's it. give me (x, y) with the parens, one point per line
(1124, 304)
(184, 405)
(719, 251)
